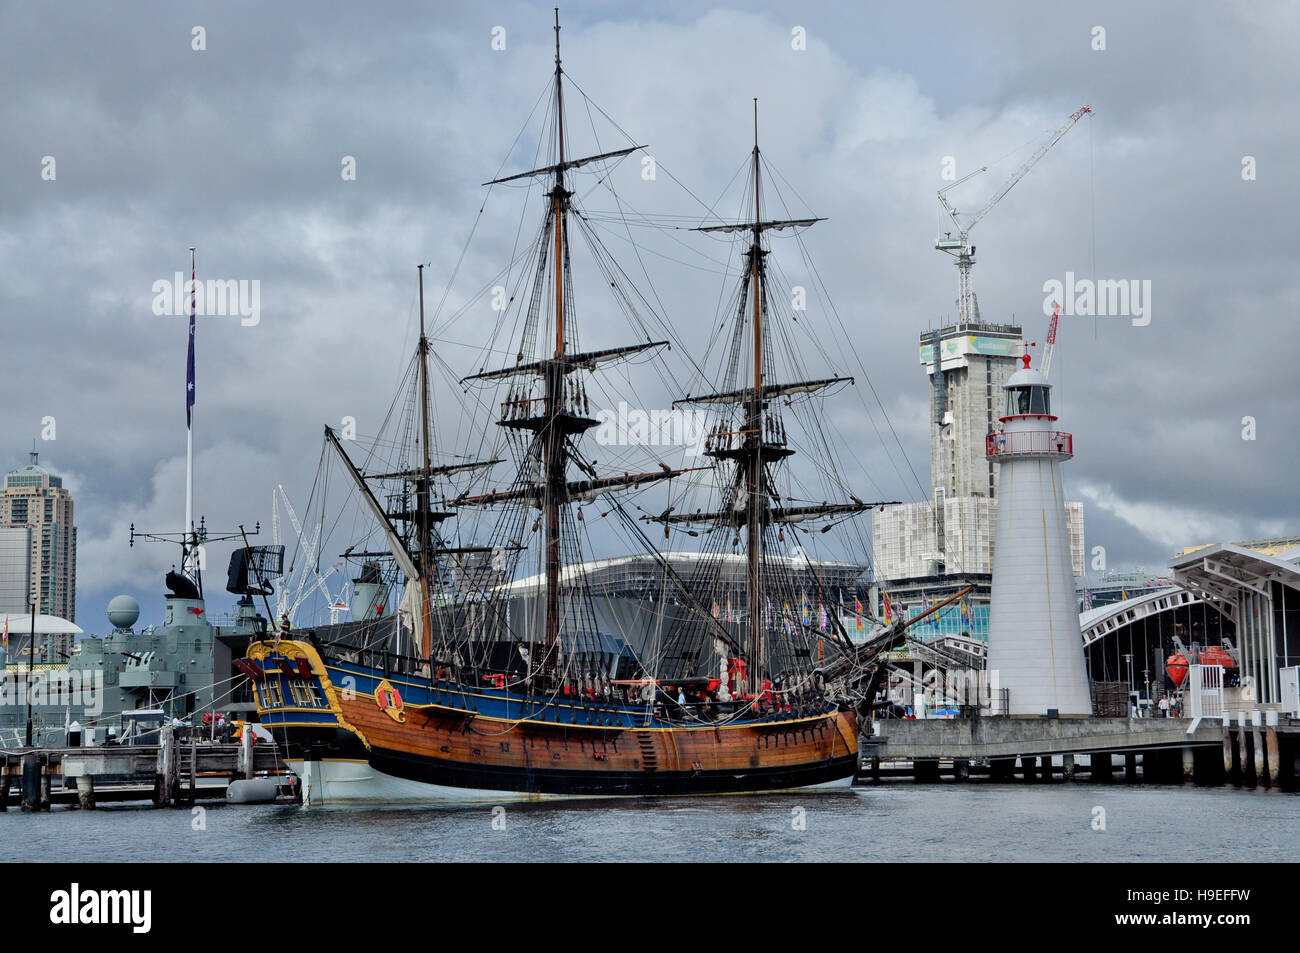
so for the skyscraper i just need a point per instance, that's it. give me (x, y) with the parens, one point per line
(34, 500)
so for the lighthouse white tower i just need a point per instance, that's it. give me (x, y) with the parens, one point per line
(1035, 646)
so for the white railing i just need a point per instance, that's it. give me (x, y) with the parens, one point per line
(1205, 691)
(1036, 442)
(1290, 690)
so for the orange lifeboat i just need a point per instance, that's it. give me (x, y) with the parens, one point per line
(1218, 655)
(1176, 668)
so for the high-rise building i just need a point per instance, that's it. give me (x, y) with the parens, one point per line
(35, 500)
(968, 365)
(15, 570)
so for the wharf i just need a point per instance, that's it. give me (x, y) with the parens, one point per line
(1248, 748)
(168, 773)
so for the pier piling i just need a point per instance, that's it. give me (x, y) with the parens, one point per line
(1258, 756)
(1231, 753)
(1102, 767)
(47, 769)
(86, 792)
(31, 780)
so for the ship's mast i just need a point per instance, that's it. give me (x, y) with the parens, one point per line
(754, 425)
(423, 488)
(553, 437)
(563, 406)
(762, 440)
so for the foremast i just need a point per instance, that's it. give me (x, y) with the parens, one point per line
(761, 439)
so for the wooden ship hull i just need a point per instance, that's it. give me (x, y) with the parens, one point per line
(355, 735)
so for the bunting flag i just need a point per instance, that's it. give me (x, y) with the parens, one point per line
(730, 618)
(807, 611)
(715, 608)
(789, 622)
(1123, 593)
(821, 617)
(965, 609)
(857, 611)
(889, 609)
(6, 632)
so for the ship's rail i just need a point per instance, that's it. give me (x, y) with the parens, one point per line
(1054, 443)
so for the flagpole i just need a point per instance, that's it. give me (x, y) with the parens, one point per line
(187, 557)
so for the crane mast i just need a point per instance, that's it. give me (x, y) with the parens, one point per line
(960, 247)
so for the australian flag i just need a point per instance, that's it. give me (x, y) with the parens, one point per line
(189, 364)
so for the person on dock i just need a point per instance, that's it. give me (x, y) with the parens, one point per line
(1164, 706)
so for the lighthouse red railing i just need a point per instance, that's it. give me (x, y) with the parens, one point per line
(1029, 441)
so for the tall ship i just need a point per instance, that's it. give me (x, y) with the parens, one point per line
(455, 683)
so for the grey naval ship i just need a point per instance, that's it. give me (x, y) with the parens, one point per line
(130, 680)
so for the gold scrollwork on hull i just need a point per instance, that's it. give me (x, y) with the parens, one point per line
(290, 649)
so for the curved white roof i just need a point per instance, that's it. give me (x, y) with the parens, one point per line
(45, 625)
(1027, 375)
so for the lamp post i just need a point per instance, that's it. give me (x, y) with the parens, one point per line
(31, 652)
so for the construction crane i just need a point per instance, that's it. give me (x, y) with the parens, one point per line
(960, 247)
(1051, 341)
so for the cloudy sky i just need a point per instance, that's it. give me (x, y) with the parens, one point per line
(237, 148)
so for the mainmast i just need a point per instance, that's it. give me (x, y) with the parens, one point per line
(552, 436)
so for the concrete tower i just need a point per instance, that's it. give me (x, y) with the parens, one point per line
(1035, 645)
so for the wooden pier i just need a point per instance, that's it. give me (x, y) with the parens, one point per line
(172, 772)
(1246, 749)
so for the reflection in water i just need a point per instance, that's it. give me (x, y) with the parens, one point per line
(889, 822)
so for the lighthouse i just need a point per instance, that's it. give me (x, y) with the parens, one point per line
(1035, 646)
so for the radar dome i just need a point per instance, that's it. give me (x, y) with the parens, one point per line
(122, 612)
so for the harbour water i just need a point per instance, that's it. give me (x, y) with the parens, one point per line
(896, 822)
